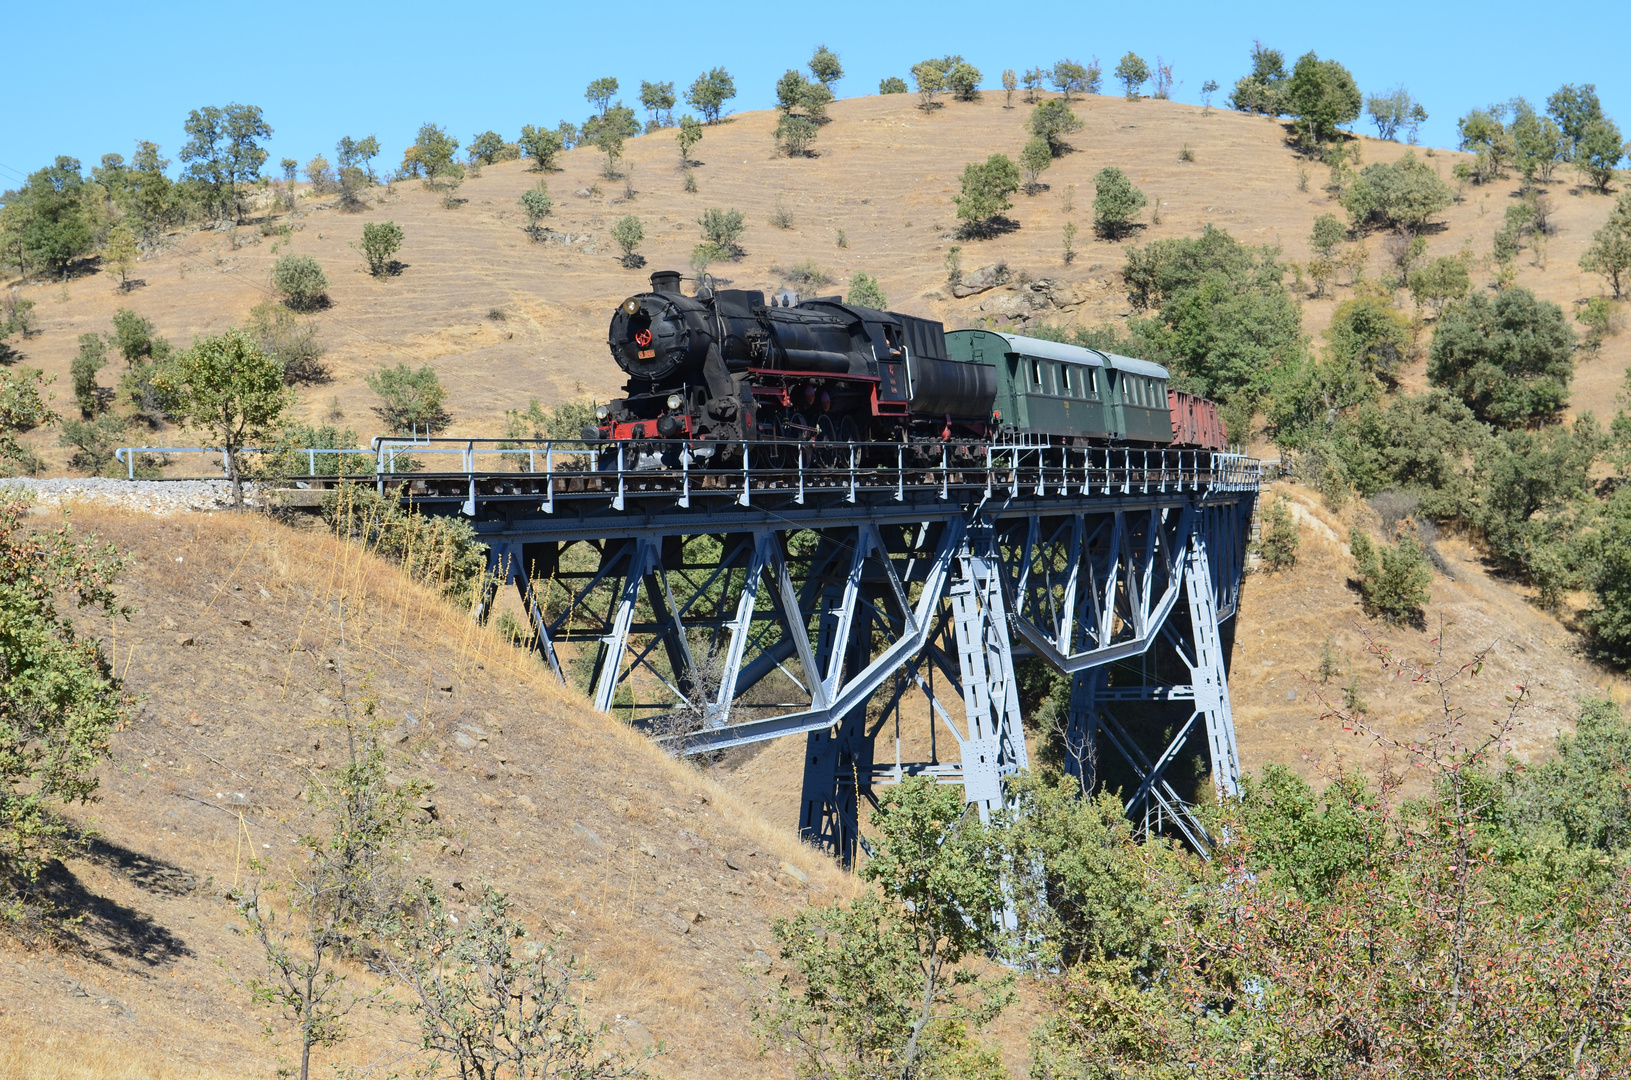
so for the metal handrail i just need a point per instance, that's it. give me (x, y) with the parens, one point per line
(126, 455)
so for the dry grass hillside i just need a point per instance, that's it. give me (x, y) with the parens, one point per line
(505, 319)
(651, 871)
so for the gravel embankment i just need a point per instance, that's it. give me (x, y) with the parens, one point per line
(145, 496)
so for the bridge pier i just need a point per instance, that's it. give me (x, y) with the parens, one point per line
(855, 606)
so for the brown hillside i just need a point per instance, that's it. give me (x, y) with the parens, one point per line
(651, 871)
(885, 175)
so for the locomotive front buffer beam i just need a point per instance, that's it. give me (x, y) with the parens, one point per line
(853, 622)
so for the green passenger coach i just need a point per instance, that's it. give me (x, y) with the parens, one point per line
(1051, 388)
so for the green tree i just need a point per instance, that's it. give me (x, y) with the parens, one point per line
(1010, 83)
(1574, 108)
(488, 148)
(1439, 282)
(1404, 194)
(722, 232)
(874, 980)
(864, 291)
(795, 133)
(600, 93)
(486, 1011)
(380, 243)
(1484, 132)
(893, 84)
(1368, 332)
(1321, 96)
(536, 204)
(1053, 120)
(432, 155)
(60, 701)
(930, 76)
(1327, 233)
(1538, 143)
(1395, 111)
(689, 134)
(93, 357)
(1599, 151)
(541, 145)
(1132, 72)
(1610, 250)
(608, 131)
(151, 198)
(22, 408)
(224, 385)
(119, 251)
(1070, 78)
(1208, 88)
(135, 339)
(410, 401)
(292, 342)
(1115, 202)
(55, 215)
(658, 100)
(708, 94)
(1393, 578)
(627, 234)
(986, 187)
(94, 443)
(1510, 359)
(1263, 89)
(354, 169)
(301, 281)
(1034, 159)
(825, 66)
(223, 151)
(1278, 548)
(796, 95)
(963, 80)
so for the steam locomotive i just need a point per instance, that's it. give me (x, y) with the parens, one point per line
(726, 366)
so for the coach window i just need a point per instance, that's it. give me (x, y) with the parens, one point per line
(1036, 374)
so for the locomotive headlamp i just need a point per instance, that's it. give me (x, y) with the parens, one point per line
(631, 306)
(602, 412)
(675, 401)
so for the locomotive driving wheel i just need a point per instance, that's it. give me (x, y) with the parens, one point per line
(828, 455)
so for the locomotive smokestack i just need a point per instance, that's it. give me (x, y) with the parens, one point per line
(665, 281)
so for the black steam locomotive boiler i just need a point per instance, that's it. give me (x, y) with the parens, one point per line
(726, 365)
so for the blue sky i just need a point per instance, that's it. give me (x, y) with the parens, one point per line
(94, 77)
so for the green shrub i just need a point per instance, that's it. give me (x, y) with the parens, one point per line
(290, 341)
(1132, 73)
(1510, 359)
(1405, 194)
(380, 241)
(985, 189)
(410, 400)
(627, 234)
(1034, 159)
(893, 84)
(1278, 547)
(439, 551)
(1393, 578)
(1321, 95)
(541, 145)
(536, 204)
(93, 443)
(301, 281)
(1441, 281)
(1115, 202)
(722, 231)
(93, 357)
(1370, 333)
(865, 291)
(1053, 120)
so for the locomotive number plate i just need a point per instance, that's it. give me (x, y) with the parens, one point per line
(647, 354)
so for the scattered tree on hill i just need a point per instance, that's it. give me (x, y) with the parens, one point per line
(94, 443)
(986, 187)
(880, 986)
(1393, 578)
(963, 80)
(1404, 195)
(92, 357)
(1263, 89)
(489, 148)
(1484, 133)
(1537, 142)
(722, 233)
(541, 145)
(1510, 359)
(709, 93)
(1035, 158)
(1208, 88)
(380, 242)
(1574, 108)
(536, 204)
(226, 386)
(1070, 78)
(410, 401)
(1278, 548)
(1396, 111)
(301, 281)
(865, 291)
(627, 234)
(1321, 96)
(1327, 233)
(353, 168)
(658, 100)
(930, 76)
(689, 134)
(893, 84)
(1010, 83)
(60, 701)
(1053, 120)
(223, 151)
(1441, 281)
(1370, 334)
(600, 94)
(1610, 250)
(803, 105)
(1132, 72)
(1599, 151)
(152, 195)
(119, 251)
(289, 340)
(607, 133)
(320, 175)
(1116, 202)
(135, 339)
(826, 68)
(1032, 80)
(22, 408)
(52, 217)
(431, 156)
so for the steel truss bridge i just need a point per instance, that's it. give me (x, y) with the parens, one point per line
(884, 604)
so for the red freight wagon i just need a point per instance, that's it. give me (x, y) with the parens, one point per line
(1195, 421)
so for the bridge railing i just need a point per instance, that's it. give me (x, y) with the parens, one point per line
(127, 455)
(678, 469)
